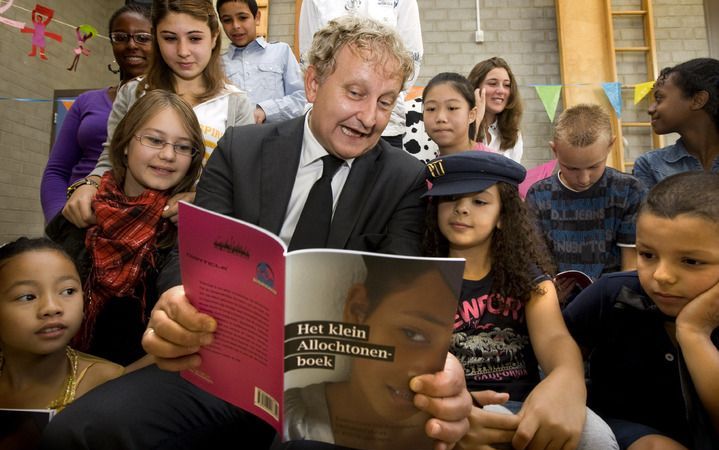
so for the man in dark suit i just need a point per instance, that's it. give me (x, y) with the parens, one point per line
(264, 174)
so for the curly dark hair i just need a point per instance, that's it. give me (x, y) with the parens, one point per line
(515, 246)
(135, 8)
(693, 76)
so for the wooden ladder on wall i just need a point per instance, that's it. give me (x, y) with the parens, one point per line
(646, 14)
(588, 56)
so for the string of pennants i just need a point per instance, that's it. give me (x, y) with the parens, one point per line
(43, 17)
(549, 95)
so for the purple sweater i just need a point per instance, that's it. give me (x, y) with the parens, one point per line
(78, 145)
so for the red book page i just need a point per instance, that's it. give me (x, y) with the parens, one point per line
(235, 272)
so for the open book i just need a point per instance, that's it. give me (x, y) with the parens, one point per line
(570, 283)
(20, 429)
(580, 279)
(319, 343)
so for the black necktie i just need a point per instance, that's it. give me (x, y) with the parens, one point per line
(313, 228)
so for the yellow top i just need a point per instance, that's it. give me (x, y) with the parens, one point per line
(74, 378)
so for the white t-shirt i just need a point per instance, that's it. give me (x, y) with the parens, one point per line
(212, 115)
(402, 15)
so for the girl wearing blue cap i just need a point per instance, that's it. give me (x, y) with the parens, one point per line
(508, 321)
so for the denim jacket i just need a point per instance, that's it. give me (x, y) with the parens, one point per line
(652, 167)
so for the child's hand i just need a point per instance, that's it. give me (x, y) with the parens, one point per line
(444, 396)
(551, 417)
(701, 315)
(480, 102)
(78, 208)
(260, 115)
(564, 288)
(171, 208)
(488, 428)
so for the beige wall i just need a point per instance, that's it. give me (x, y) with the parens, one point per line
(711, 7)
(25, 127)
(524, 34)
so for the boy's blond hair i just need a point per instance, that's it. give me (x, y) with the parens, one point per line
(582, 125)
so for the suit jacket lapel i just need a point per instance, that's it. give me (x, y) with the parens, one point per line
(354, 194)
(280, 158)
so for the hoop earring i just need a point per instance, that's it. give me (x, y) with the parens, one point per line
(110, 68)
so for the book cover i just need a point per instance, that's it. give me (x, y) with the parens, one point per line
(320, 343)
(578, 278)
(20, 429)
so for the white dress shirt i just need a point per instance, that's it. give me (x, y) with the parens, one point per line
(309, 171)
(514, 153)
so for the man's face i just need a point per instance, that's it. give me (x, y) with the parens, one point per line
(352, 105)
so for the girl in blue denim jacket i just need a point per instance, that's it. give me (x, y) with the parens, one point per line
(686, 101)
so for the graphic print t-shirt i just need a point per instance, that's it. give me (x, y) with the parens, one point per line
(491, 341)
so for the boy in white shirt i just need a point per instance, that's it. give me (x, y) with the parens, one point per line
(267, 71)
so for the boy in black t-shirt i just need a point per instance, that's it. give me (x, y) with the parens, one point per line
(653, 334)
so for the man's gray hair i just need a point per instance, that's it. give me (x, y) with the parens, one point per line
(370, 39)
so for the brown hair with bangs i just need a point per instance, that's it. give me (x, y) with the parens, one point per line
(509, 119)
(159, 75)
(141, 111)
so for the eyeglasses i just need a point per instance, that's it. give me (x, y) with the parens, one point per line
(155, 142)
(117, 37)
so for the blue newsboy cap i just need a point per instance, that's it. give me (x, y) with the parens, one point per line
(471, 171)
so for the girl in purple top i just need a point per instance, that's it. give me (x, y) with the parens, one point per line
(79, 142)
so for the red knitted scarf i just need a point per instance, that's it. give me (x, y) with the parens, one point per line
(121, 246)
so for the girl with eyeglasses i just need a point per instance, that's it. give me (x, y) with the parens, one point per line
(80, 139)
(186, 62)
(156, 153)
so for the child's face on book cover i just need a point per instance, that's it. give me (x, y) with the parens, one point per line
(40, 302)
(677, 259)
(417, 322)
